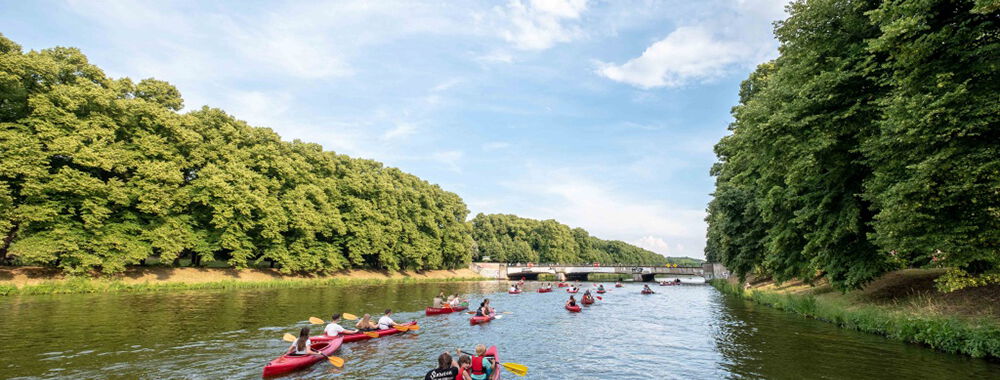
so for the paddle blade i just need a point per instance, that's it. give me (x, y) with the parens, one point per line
(508, 312)
(414, 327)
(288, 338)
(316, 321)
(336, 361)
(350, 317)
(371, 334)
(498, 316)
(600, 298)
(401, 328)
(517, 369)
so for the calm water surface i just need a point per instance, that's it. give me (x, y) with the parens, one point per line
(682, 332)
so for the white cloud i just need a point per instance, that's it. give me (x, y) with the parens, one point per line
(736, 36)
(653, 243)
(401, 130)
(540, 24)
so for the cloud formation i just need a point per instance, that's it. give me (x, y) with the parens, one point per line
(734, 37)
(540, 24)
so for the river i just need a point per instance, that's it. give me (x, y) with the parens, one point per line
(682, 332)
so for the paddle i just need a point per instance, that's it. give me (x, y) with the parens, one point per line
(407, 327)
(515, 368)
(335, 360)
(347, 316)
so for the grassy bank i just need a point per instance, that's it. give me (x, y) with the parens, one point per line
(958, 323)
(14, 281)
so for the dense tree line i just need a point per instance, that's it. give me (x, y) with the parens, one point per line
(871, 143)
(99, 173)
(512, 239)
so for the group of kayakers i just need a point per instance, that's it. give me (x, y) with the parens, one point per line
(452, 301)
(301, 345)
(474, 367)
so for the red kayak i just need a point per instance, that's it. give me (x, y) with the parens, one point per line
(573, 309)
(562, 285)
(601, 291)
(288, 363)
(544, 290)
(619, 285)
(647, 292)
(492, 351)
(443, 310)
(587, 301)
(361, 336)
(514, 292)
(484, 319)
(572, 291)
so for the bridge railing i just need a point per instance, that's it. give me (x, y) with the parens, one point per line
(517, 265)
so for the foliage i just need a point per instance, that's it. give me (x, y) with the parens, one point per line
(511, 239)
(869, 143)
(99, 173)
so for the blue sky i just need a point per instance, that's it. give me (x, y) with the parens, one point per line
(599, 114)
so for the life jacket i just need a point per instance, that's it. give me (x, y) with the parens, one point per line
(477, 366)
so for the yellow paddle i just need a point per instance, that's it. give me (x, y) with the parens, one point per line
(515, 368)
(347, 316)
(407, 327)
(335, 360)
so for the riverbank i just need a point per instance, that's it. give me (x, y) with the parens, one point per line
(37, 280)
(901, 305)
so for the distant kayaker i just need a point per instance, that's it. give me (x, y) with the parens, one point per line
(447, 369)
(302, 344)
(456, 301)
(513, 288)
(439, 300)
(677, 281)
(600, 287)
(334, 328)
(386, 322)
(645, 288)
(571, 302)
(366, 324)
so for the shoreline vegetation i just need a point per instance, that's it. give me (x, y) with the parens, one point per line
(42, 280)
(902, 305)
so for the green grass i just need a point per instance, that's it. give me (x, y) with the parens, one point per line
(949, 334)
(87, 285)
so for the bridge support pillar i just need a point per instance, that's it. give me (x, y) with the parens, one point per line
(561, 276)
(640, 277)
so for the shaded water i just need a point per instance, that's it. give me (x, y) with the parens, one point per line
(690, 331)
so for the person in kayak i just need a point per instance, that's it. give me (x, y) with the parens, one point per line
(302, 345)
(456, 301)
(439, 300)
(386, 322)
(600, 287)
(334, 328)
(464, 362)
(366, 324)
(588, 297)
(484, 308)
(571, 302)
(480, 366)
(447, 369)
(513, 288)
(645, 288)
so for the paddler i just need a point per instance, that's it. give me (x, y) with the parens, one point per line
(587, 296)
(334, 328)
(484, 309)
(386, 322)
(447, 369)
(302, 344)
(480, 366)
(600, 288)
(366, 324)
(438, 300)
(572, 301)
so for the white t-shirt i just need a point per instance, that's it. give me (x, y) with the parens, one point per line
(333, 329)
(385, 322)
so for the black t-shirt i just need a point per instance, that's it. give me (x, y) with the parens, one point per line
(442, 374)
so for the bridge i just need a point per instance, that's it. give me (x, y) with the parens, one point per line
(579, 272)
